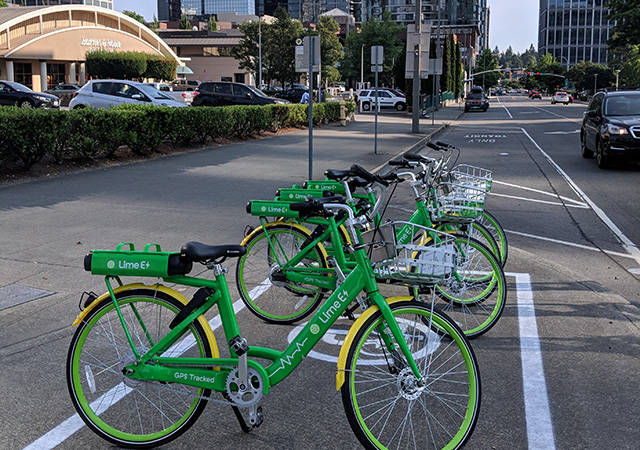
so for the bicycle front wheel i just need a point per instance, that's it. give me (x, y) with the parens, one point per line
(387, 407)
(128, 412)
(490, 222)
(264, 289)
(475, 295)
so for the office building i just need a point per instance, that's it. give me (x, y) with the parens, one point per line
(172, 10)
(101, 3)
(574, 30)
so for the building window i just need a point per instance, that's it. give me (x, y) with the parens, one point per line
(216, 51)
(55, 74)
(23, 74)
(239, 77)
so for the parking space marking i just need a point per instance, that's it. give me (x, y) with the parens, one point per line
(574, 119)
(534, 386)
(570, 244)
(629, 246)
(546, 202)
(550, 194)
(73, 424)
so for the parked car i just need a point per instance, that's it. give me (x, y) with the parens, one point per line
(387, 98)
(64, 92)
(182, 96)
(535, 94)
(611, 127)
(221, 93)
(108, 93)
(292, 95)
(16, 94)
(185, 85)
(560, 97)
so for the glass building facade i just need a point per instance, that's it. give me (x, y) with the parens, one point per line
(102, 3)
(574, 30)
(173, 9)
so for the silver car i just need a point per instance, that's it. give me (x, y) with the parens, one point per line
(185, 97)
(108, 93)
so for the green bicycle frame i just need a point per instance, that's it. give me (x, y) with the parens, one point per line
(150, 366)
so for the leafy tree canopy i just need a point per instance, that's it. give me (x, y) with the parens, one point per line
(626, 31)
(330, 47)
(134, 15)
(583, 74)
(487, 61)
(184, 23)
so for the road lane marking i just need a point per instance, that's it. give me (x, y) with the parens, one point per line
(559, 115)
(550, 194)
(70, 426)
(505, 108)
(571, 244)
(534, 386)
(629, 246)
(562, 132)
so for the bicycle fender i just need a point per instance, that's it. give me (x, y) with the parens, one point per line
(289, 224)
(181, 298)
(344, 350)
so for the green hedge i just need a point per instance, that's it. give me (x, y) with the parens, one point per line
(29, 135)
(128, 65)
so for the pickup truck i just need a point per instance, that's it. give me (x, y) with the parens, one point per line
(185, 97)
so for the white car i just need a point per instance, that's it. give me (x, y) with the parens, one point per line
(108, 93)
(386, 99)
(560, 97)
(182, 96)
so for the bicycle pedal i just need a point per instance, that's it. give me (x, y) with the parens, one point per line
(238, 345)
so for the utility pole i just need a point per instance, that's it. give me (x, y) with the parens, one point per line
(617, 71)
(595, 83)
(415, 112)
(362, 67)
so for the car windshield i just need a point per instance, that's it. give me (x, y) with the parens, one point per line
(623, 105)
(18, 86)
(154, 93)
(258, 92)
(475, 96)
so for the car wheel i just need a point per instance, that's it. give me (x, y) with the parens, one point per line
(25, 104)
(602, 160)
(366, 106)
(400, 106)
(586, 153)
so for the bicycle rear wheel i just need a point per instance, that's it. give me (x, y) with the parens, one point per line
(490, 222)
(385, 406)
(128, 412)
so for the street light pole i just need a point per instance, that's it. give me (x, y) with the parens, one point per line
(595, 83)
(415, 112)
(259, 53)
(617, 71)
(362, 67)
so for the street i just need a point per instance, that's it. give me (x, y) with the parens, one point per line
(559, 369)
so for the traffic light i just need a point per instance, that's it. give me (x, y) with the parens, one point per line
(537, 73)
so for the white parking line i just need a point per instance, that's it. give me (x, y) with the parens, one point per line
(570, 244)
(550, 194)
(505, 108)
(546, 202)
(70, 426)
(534, 386)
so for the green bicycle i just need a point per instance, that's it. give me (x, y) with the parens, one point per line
(144, 362)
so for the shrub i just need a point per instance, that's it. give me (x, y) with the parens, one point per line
(160, 68)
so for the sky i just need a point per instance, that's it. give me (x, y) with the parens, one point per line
(512, 22)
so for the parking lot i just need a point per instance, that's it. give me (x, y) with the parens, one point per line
(558, 370)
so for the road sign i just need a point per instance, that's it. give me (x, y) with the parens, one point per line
(303, 51)
(377, 54)
(413, 38)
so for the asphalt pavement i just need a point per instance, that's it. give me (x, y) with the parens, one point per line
(558, 369)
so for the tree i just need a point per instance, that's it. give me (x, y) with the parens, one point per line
(383, 32)
(280, 44)
(487, 61)
(630, 70)
(626, 31)
(330, 48)
(212, 26)
(134, 15)
(459, 72)
(185, 23)
(155, 24)
(583, 74)
(246, 52)
(3, 3)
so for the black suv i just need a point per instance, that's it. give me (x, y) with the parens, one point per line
(222, 93)
(476, 100)
(293, 95)
(16, 94)
(611, 127)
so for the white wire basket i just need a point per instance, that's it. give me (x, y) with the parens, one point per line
(472, 176)
(410, 254)
(457, 202)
